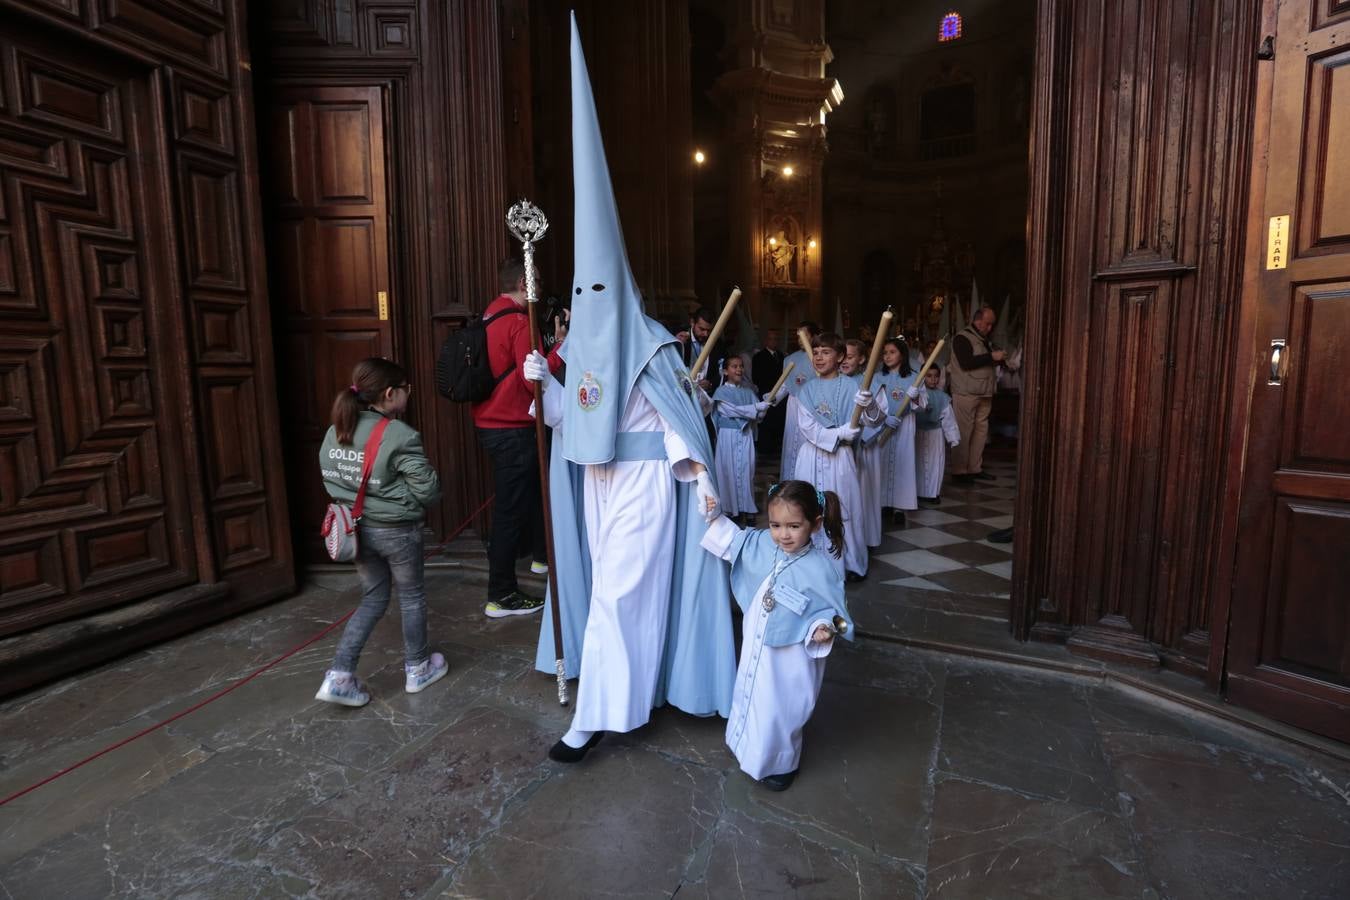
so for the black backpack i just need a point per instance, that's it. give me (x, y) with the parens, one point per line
(463, 373)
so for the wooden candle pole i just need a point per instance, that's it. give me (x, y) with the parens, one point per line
(727, 309)
(782, 379)
(878, 343)
(804, 339)
(918, 379)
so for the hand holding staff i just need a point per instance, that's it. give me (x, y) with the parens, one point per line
(727, 309)
(527, 223)
(782, 379)
(878, 342)
(918, 379)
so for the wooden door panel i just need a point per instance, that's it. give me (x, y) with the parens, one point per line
(346, 251)
(1289, 642)
(1309, 631)
(331, 228)
(1319, 437)
(1325, 215)
(343, 147)
(93, 508)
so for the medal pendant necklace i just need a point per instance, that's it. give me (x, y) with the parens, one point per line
(780, 563)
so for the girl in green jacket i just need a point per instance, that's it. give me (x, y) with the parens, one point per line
(389, 548)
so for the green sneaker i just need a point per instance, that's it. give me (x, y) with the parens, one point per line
(517, 603)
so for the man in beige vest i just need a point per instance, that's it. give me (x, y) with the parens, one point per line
(971, 382)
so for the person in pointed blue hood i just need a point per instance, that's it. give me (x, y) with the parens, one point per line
(653, 608)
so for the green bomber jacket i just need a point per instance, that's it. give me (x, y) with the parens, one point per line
(402, 483)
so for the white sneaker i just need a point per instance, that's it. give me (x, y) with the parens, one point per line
(342, 688)
(539, 568)
(429, 671)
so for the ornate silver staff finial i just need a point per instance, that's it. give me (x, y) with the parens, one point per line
(527, 223)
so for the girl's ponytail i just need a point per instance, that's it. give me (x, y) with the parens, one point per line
(370, 379)
(833, 515)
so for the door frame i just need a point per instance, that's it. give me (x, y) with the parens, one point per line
(1248, 362)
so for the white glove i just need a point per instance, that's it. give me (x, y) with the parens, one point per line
(892, 423)
(912, 392)
(705, 402)
(863, 399)
(708, 502)
(847, 434)
(762, 406)
(768, 397)
(535, 367)
(953, 443)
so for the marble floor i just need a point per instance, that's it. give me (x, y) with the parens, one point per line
(924, 775)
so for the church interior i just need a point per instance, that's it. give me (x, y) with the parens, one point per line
(210, 210)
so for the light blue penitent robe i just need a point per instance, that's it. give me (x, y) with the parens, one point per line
(824, 405)
(802, 372)
(734, 417)
(657, 623)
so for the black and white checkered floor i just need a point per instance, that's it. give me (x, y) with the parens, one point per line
(945, 547)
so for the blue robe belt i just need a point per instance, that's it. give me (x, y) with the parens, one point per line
(635, 446)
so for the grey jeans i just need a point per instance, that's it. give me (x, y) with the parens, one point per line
(384, 555)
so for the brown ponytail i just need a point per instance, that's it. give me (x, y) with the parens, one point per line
(371, 377)
(806, 498)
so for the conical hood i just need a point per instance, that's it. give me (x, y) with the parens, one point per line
(610, 339)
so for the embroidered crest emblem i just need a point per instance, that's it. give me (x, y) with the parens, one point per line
(823, 408)
(589, 393)
(685, 382)
(895, 393)
(801, 380)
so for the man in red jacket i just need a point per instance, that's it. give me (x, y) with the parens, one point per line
(506, 431)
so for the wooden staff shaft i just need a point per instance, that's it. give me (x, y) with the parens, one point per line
(878, 343)
(918, 379)
(727, 309)
(541, 449)
(782, 380)
(804, 339)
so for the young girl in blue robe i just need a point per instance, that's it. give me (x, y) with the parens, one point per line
(735, 413)
(793, 600)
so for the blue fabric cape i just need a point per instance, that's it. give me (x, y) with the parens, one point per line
(808, 589)
(801, 374)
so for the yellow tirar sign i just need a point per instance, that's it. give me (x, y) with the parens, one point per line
(1277, 246)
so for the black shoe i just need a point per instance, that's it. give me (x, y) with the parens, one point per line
(985, 476)
(779, 782)
(854, 577)
(898, 519)
(1002, 536)
(516, 603)
(561, 752)
(930, 501)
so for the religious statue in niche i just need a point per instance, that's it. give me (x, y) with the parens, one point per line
(782, 264)
(783, 12)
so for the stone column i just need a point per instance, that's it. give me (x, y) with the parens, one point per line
(777, 98)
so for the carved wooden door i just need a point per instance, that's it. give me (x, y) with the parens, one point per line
(330, 263)
(94, 463)
(1289, 645)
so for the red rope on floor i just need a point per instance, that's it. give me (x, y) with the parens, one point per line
(216, 696)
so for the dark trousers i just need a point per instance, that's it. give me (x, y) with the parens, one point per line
(517, 510)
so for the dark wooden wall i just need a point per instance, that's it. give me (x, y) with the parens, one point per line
(1140, 163)
(437, 67)
(141, 490)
